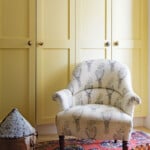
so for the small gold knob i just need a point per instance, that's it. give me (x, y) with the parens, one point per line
(107, 44)
(116, 43)
(41, 43)
(29, 43)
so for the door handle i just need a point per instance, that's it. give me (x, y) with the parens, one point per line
(116, 43)
(107, 44)
(40, 43)
(29, 43)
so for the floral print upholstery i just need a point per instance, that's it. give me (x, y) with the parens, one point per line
(98, 103)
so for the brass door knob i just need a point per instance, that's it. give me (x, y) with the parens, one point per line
(107, 43)
(116, 43)
(29, 43)
(41, 43)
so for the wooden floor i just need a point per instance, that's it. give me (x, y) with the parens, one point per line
(55, 137)
(142, 129)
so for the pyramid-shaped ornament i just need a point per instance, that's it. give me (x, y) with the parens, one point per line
(15, 125)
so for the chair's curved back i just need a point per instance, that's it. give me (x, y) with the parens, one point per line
(94, 81)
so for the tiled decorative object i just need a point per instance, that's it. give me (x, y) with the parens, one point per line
(15, 126)
(16, 132)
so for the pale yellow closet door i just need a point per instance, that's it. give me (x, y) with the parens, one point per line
(93, 26)
(17, 58)
(129, 43)
(55, 53)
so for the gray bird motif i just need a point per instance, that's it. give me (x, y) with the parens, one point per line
(77, 116)
(99, 75)
(112, 65)
(106, 119)
(121, 75)
(89, 63)
(109, 93)
(88, 94)
(91, 129)
(77, 74)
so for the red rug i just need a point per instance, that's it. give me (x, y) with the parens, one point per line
(137, 138)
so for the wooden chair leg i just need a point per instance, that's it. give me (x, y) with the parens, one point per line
(125, 145)
(61, 142)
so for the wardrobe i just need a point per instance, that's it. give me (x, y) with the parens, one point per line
(41, 41)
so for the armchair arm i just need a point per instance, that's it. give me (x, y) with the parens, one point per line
(64, 98)
(129, 101)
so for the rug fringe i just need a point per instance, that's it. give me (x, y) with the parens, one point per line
(143, 147)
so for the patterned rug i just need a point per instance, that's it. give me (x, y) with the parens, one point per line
(139, 141)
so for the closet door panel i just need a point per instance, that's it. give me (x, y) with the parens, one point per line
(55, 58)
(58, 12)
(129, 40)
(133, 60)
(126, 19)
(89, 53)
(52, 76)
(90, 29)
(14, 80)
(17, 58)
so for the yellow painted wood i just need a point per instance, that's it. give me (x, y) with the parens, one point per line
(17, 58)
(91, 31)
(71, 31)
(56, 58)
(129, 29)
(78, 31)
(123, 22)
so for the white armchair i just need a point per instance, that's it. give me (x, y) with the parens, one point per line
(98, 103)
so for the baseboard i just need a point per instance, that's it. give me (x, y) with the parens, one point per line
(46, 129)
(147, 122)
(138, 122)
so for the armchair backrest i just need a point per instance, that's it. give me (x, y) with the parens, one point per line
(100, 79)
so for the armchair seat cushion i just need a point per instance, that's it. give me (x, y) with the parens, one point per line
(94, 121)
